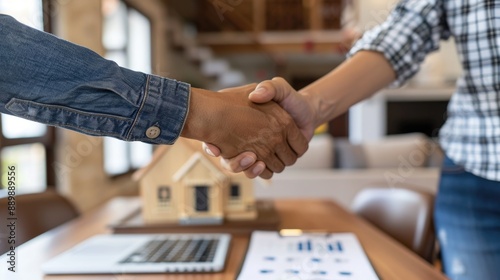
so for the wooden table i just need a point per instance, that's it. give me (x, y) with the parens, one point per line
(390, 259)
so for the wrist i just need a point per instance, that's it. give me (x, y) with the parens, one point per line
(318, 107)
(200, 113)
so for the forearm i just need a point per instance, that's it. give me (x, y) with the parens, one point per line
(49, 80)
(323, 100)
(356, 79)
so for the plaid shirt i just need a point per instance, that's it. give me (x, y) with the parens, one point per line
(471, 134)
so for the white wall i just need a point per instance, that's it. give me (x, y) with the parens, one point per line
(367, 120)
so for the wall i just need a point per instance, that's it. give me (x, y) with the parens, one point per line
(372, 12)
(79, 160)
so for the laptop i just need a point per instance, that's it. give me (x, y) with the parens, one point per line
(143, 253)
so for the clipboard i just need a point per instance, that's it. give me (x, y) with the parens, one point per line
(298, 255)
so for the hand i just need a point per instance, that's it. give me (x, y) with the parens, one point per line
(234, 124)
(298, 105)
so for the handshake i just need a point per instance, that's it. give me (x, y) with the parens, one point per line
(258, 129)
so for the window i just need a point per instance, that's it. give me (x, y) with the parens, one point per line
(234, 193)
(164, 196)
(201, 199)
(127, 41)
(27, 145)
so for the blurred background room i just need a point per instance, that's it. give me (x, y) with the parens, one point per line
(217, 44)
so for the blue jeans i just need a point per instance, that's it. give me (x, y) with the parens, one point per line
(467, 215)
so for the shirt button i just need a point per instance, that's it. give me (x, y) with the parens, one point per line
(153, 132)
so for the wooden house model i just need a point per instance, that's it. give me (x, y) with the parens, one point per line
(183, 185)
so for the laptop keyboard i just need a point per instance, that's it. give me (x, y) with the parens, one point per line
(171, 250)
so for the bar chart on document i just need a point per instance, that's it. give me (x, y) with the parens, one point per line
(333, 256)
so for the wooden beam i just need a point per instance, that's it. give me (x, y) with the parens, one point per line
(316, 16)
(239, 21)
(259, 16)
(274, 42)
(276, 48)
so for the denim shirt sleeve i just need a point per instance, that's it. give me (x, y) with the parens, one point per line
(52, 81)
(413, 29)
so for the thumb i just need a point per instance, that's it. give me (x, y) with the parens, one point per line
(276, 89)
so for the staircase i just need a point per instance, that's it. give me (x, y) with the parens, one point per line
(201, 58)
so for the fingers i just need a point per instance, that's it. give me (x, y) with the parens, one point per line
(274, 164)
(211, 150)
(259, 169)
(297, 141)
(266, 174)
(286, 155)
(247, 162)
(240, 162)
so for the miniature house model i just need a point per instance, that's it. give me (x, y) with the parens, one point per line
(183, 185)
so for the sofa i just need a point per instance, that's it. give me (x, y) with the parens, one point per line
(337, 169)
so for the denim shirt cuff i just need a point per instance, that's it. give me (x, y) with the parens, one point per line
(163, 111)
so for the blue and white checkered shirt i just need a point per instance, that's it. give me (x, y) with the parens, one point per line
(471, 134)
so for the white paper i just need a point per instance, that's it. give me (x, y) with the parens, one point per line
(307, 257)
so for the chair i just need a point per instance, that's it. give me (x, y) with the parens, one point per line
(404, 214)
(36, 213)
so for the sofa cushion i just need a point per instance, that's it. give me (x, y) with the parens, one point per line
(319, 155)
(349, 155)
(411, 149)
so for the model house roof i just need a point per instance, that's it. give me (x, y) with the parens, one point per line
(192, 146)
(192, 161)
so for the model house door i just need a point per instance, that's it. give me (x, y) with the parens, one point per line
(201, 199)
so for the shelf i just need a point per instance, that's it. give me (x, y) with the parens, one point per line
(279, 42)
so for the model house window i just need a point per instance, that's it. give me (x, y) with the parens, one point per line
(234, 193)
(25, 144)
(201, 199)
(127, 41)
